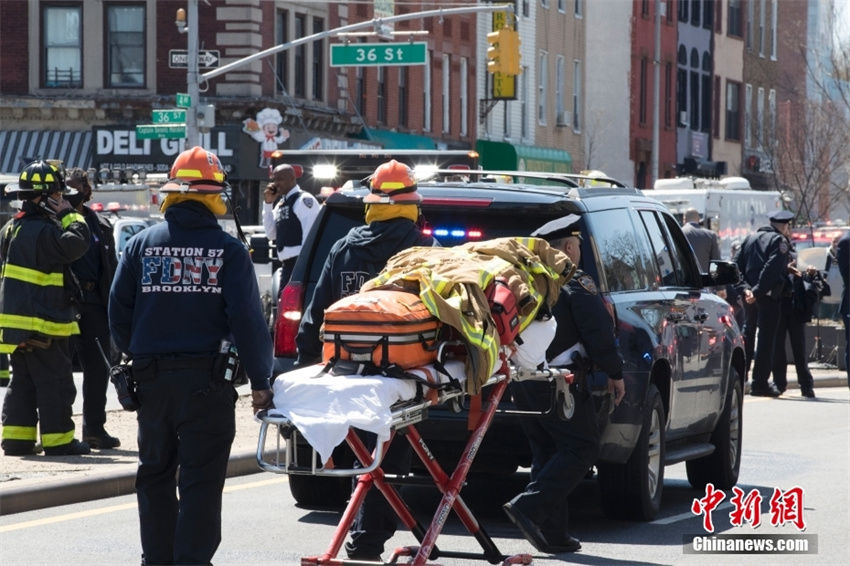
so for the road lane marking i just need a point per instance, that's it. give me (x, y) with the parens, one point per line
(682, 516)
(116, 508)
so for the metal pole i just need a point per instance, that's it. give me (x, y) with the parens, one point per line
(192, 135)
(376, 22)
(656, 119)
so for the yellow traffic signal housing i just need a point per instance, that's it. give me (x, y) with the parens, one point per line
(509, 51)
(494, 52)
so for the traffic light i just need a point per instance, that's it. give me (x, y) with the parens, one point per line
(494, 52)
(509, 50)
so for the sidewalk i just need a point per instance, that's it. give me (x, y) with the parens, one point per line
(36, 482)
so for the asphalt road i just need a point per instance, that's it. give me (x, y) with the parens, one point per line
(788, 443)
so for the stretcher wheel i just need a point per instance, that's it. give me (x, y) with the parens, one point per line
(566, 406)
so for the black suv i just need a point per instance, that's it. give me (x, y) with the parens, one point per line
(682, 350)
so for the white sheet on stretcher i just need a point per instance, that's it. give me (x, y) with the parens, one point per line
(323, 407)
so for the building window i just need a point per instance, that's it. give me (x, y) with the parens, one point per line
(426, 85)
(762, 19)
(576, 96)
(771, 109)
(447, 93)
(544, 3)
(733, 25)
(382, 95)
(62, 46)
(464, 96)
(733, 110)
(300, 57)
(578, 9)
(696, 12)
(282, 64)
(682, 87)
(525, 8)
(642, 93)
(774, 15)
(125, 45)
(402, 96)
(669, 10)
(751, 18)
(708, 14)
(694, 91)
(715, 109)
(360, 78)
(668, 95)
(562, 6)
(559, 89)
(718, 17)
(542, 87)
(705, 121)
(318, 61)
(760, 118)
(523, 105)
(748, 125)
(683, 10)
(644, 8)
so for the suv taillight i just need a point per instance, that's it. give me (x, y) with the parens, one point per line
(288, 318)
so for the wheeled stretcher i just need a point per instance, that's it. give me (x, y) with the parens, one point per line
(403, 408)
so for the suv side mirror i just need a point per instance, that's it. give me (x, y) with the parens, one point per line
(721, 273)
(260, 249)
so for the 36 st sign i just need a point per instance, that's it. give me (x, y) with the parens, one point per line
(378, 54)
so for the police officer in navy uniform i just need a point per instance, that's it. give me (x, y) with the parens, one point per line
(288, 214)
(37, 318)
(392, 210)
(94, 272)
(564, 451)
(842, 256)
(763, 260)
(182, 292)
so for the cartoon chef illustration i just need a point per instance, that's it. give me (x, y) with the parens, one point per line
(267, 131)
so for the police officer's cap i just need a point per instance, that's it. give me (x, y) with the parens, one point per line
(563, 227)
(781, 216)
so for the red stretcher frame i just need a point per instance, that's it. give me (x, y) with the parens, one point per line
(449, 485)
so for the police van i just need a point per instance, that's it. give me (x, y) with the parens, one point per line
(729, 206)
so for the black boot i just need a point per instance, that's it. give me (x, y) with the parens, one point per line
(73, 448)
(99, 439)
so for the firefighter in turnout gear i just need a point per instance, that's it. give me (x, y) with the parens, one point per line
(37, 316)
(392, 209)
(183, 293)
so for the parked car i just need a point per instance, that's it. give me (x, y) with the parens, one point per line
(683, 351)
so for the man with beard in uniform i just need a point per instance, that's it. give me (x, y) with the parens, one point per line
(763, 261)
(288, 215)
(563, 451)
(392, 210)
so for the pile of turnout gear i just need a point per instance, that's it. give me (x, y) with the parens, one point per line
(482, 294)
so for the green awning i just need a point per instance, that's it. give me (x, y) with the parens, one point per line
(397, 140)
(502, 155)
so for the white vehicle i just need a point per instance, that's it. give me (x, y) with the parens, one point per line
(728, 206)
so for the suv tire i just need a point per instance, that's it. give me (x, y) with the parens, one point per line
(721, 467)
(633, 490)
(316, 492)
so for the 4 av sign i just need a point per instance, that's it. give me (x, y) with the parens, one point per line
(179, 58)
(366, 54)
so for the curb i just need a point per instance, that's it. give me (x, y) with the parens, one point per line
(98, 486)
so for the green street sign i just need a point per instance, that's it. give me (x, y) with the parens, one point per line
(183, 100)
(159, 131)
(169, 116)
(368, 54)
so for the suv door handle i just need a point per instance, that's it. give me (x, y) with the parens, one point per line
(674, 316)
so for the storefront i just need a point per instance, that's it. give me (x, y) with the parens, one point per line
(509, 157)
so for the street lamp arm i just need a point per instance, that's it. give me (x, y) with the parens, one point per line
(352, 27)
